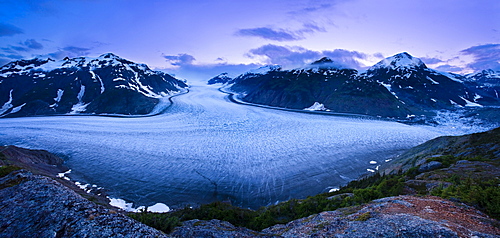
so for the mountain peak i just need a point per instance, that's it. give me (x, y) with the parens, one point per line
(401, 60)
(109, 56)
(324, 60)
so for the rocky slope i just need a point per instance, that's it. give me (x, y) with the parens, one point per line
(107, 84)
(34, 205)
(401, 216)
(484, 144)
(400, 86)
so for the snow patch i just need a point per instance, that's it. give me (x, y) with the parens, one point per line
(471, 104)
(129, 207)
(334, 190)
(317, 107)
(432, 80)
(59, 95)
(94, 76)
(18, 108)
(7, 105)
(80, 106)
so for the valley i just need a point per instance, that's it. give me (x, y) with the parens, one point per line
(206, 148)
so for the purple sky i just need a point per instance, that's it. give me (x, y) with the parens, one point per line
(201, 38)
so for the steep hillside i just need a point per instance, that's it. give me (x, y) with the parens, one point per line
(104, 85)
(338, 89)
(400, 86)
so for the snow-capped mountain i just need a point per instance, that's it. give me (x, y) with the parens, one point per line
(221, 78)
(487, 81)
(106, 84)
(419, 87)
(399, 86)
(323, 82)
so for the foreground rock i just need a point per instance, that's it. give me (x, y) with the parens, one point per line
(36, 205)
(402, 216)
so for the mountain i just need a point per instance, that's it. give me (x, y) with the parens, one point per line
(400, 86)
(487, 81)
(323, 82)
(107, 84)
(423, 89)
(221, 78)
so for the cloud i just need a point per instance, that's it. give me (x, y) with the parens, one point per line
(33, 44)
(180, 59)
(69, 51)
(279, 34)
(449, 68)
(28, 45)
(269, 34)
(295, 56)
(429, 60)
(9, 30)
(6, 58)
(485, 56)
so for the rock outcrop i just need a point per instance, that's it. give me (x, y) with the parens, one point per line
(36, 205)
(402, 216)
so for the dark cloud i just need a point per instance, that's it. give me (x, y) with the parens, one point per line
(180, 59)
(316, 8)
(28, 45)
(80, 51)
(69, 51)
(485, 56)
(449, 68)
(6, 58)
(299, 56)
(33, 44)
(428, 60)
(19, 48)
(269, 34)
(9, 30)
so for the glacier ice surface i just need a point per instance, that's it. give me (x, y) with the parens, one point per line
(206, 148)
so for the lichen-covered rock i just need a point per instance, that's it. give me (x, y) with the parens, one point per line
(430, 166)
(214, 228)
(402, 216)
(34, 205)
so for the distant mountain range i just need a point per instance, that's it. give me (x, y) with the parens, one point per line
(400, 87)
(107, 84)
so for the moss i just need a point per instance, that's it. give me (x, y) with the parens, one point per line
(364, 217)
(7, 169)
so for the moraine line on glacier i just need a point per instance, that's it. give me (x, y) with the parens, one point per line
(206, 148)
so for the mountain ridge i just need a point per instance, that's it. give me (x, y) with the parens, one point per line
(401, 86)
(107, 84)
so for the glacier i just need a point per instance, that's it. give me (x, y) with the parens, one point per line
(205, 148)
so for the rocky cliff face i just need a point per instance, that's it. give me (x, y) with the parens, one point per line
(34, 205)
(107, 84)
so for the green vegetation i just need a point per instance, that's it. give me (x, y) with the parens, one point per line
(7, 169)
(163, 223)
(482, 193)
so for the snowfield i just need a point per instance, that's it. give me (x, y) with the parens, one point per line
(206, 148)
